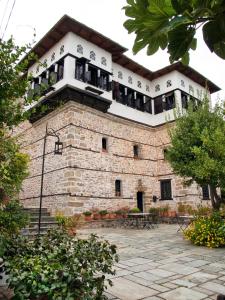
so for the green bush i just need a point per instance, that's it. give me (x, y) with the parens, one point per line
(154, 210)
(103, 212)
(12, 220)
(87, 213)
(135, 210)
(58, 266)
(207, 231)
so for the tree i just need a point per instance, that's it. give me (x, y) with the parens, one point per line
(172, 24)
(197, 151)
(13, 87)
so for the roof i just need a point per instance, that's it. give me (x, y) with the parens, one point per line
(67, 24)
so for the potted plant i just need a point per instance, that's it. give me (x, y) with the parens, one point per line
(103, 214)
(87, 215)
(96, 215)
(135, 210)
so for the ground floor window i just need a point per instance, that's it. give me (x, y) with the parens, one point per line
(166, 190)
(205, 192)
(118, 187)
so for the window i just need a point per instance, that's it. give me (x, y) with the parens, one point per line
(184, 99)
(148, 104)
(136, 151)
(37, 69)
(158, 104)
(165, 187)
(130, 80)
(92, 55)
(80, 70)
(147, 88)
(191, 90)
(103, 61)
(118, 187)
(164, 152)
(169, 101)
(182, 83)
(120, 75)
(139, 84)
(53, 56)
(80, 49)
(205, 192)
(45, 63)
(157, 88)
(168, 83)
(61, 49)
(104, 144)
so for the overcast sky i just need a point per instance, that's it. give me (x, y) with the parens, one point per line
(105, 16)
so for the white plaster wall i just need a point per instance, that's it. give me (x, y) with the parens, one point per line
(70, 42)
(135, 77)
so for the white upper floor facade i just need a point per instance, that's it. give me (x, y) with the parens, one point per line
(96, 72)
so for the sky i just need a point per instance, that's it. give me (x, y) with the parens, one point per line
(107, 17)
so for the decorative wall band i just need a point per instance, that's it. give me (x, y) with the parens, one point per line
(76, 195)
(92, 130)
(88, 169)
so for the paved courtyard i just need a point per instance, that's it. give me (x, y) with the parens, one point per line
(159, 264)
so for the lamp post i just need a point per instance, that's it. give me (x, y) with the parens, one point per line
(57, 151)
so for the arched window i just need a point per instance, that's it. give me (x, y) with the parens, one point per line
(103, 61)
(80, 49)
(61, 49)
(92, 55)
(157, 88)
(139, 84)
(168, 83)
(147, 88)
(120, 75)
(130, 80)
(53, 56)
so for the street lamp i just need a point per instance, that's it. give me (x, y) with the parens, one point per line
(57, 151)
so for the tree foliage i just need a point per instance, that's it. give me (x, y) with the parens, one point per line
(197, 151)
(13, 166)
(172, 24)
(13, 83)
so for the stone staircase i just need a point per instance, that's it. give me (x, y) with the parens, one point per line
(47, 222)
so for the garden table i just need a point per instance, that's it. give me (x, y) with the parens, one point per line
(141, 220)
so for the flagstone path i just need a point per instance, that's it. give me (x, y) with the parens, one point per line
(159, 264)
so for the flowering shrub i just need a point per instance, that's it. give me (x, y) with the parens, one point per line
(207, 231)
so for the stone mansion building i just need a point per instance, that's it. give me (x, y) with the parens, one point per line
(112, 116)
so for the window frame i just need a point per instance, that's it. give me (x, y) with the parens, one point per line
(207, 192)
(163, 194)
(118, 184)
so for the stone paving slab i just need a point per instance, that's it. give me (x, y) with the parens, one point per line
(159, 264)
(128, 290)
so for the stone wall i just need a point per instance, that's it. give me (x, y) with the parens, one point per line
(84, 176)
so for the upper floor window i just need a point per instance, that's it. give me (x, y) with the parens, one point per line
(92, 55)
(130, 80)
(191, 90)
(165, 150)
(80, 49)
(165, 189)
(61, 49)
(136, 151)
(205, 192)
(139, 84)
(147, 88)
(120, 75)
(168, 83)
(157, 88)
(184, 99)
(104, 144)
(182, 83)
(104, 61)
(45, 63)
(118, 187)
(53, 56)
